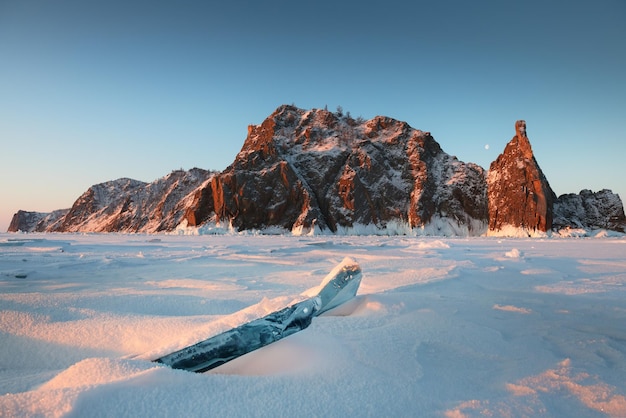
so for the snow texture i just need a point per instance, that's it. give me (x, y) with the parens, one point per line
(448, 327)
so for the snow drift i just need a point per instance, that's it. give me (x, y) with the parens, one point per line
(444, 327)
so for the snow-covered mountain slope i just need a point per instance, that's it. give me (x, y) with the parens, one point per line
(36, 221)
(315, 170)
(127, 205)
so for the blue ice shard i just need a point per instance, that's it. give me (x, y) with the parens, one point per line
(339, 286)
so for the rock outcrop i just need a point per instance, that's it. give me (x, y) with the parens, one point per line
(122, 205)
(588, 210)
(519, 194)
(305, 169)
(36, 221)
(102, 208)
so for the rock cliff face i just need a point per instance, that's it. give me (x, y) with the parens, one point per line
(36, 221)
(303, 169)
(101, 208)
(588, 210)
(122, 205)
(518, 192)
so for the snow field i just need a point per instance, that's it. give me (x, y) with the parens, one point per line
(450, 327)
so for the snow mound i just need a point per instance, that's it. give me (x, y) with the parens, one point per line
(530, 393)
(514, 253)
(437, 244)
(97, 371)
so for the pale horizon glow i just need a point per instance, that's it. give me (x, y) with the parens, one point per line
(92, 92)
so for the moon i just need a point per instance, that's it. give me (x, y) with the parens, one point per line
(486, 146)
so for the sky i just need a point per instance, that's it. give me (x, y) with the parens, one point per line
(92, 91)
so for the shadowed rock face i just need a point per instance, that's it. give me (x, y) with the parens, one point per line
(303, 167)
(588, 210)
(518, 192)
(36, 221)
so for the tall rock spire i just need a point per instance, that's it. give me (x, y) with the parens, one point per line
(519, 195)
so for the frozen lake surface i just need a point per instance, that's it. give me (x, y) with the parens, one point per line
(445, 327)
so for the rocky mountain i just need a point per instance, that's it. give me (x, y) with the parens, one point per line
(122, 205)
(304, 169)
(521, 200)
(589, 210)
(301, 167)
(36, 221)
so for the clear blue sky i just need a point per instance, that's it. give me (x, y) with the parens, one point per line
(92, 91)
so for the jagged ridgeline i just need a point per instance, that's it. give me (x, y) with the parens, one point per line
(304, 169)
